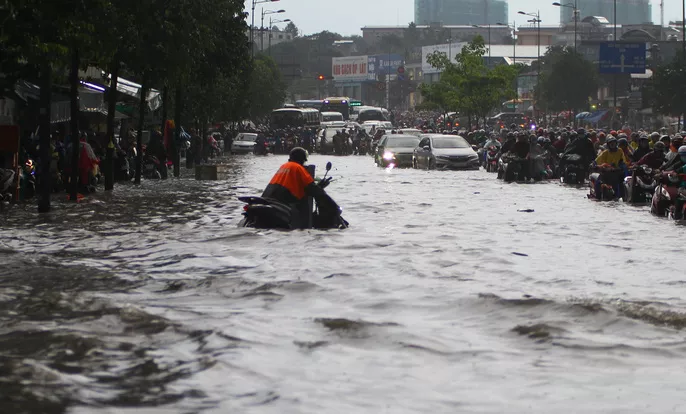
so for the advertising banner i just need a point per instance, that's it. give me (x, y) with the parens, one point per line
(349, 68)
(450, 50)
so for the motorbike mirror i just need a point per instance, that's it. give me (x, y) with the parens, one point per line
(328, 166)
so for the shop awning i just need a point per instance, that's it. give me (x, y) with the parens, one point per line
(125, 86)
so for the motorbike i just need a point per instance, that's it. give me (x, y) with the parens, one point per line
(678, 210)
(512, 168)
(362, 148)
(574, 171)
(151, 168)
(666, 193)
(7, 184)
(640, 186)
(491, 163)
(263, 213)
(605, 183)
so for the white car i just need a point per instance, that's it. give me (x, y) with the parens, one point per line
(244, 143)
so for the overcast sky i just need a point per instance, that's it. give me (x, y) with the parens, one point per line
(348, 16)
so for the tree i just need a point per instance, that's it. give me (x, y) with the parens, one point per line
(292, 29)
(668, 87)
(267, 89)
(567, 80)
(468, 86)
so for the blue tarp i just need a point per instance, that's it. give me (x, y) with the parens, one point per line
(596, 116)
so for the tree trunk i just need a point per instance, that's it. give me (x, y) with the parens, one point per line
(176, 158)
(74, 126)
(111, 110)
(141, 124)
(45, 152)
(163, 163)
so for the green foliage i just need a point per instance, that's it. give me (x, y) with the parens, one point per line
(567, 79)
(267, 89)
(292, 29)
(468, 86)
(668, 87)
(197, 45)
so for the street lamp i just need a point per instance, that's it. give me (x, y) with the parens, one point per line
(536, 20)
(270, 31)
(489, 40)
(514, 40)
(265, 12)
(574, 7)
(252, 25)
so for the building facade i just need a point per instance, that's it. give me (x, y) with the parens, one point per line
(460, 12)
(628, 11)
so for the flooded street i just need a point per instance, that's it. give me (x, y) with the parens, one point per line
(447, 294)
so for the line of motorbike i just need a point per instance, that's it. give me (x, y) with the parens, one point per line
(643, 185)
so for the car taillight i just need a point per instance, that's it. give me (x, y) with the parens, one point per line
(245, 207)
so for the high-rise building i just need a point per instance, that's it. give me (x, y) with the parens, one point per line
(628, 11)
(460, 12)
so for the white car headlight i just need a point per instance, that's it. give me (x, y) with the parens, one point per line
(388, 156)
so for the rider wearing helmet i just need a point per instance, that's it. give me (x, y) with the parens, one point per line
(509, 143)
(291, 185)
(654, 137)
(655, 158)
(643, 148)
(612, 155)
(623, 144)
(672, 157)
(676, 163)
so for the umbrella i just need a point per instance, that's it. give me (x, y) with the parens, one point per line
(582, 115)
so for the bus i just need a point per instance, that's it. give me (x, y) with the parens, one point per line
(337, 104)
(369, 113)
(309, 103)
(295, 117)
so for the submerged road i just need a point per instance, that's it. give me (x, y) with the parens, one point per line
(451, 292)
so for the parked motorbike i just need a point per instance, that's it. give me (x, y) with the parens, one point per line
(151, 168)
(640, 186)
(265, 213)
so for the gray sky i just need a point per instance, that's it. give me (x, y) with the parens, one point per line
(348, 16)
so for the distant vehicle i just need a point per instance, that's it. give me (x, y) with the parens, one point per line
(410, 131)
(505, 119)
(312, 103)
(328, 117)
(371, 114)
(437, 151)
(396, 149)
(295, 117)
(244, 143)
(337, 104)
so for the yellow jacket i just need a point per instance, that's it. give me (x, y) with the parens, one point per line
(612, 158)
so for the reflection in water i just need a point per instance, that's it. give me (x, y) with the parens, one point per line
(450, 292)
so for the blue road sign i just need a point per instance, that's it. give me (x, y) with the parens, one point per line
(616, 57)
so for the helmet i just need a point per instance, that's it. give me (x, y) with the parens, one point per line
(601, 135)
(659, 146)
(541, 140)
(655, 135)
(611, 139)
(622, 141)
(298, 155)
(682, 151)
(665, 138)
(581, 131)
(645, 137)
(613, 132)
(677, 138)
(510, 135)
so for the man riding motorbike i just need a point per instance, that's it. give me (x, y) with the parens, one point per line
(655, 158)
(291, 185)
(643, 148)
(580, 146)
(613, 157)
(672, 159)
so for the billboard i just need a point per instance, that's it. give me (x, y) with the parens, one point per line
(378, 64)
(450, 50)
(349, 68)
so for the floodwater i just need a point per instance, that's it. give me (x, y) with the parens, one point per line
(447, 294)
